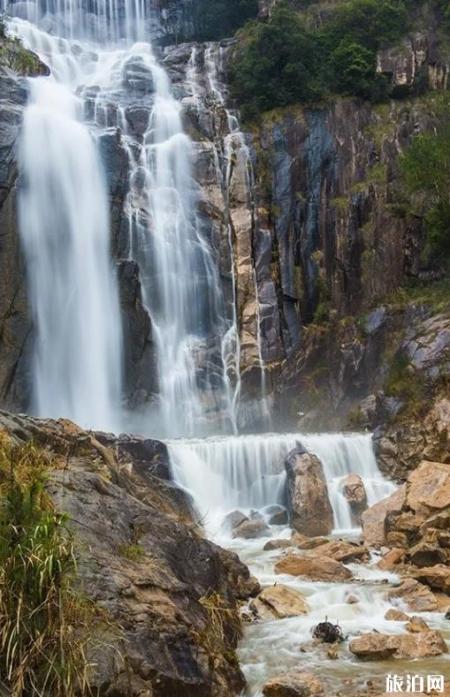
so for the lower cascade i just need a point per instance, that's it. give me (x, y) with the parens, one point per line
(245, 472)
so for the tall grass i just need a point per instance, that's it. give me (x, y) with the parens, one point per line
(42, 645)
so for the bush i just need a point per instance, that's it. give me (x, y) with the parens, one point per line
(274, 64)
(281, 61)
(426, 172)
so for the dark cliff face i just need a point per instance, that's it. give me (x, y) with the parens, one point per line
(15, 323)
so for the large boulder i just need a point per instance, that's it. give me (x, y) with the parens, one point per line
(415, 595)
(307, 494)
(280, 601)
(294, 684)
(144, 562)
(429, 488)
(354, 492)
(374, 519)
(317, 569)
(437, 577)
(415, 644)
(342, 551)
(251, 529)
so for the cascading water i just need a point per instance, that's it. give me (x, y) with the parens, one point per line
(64, 223)
(247, 472)
(179, 277)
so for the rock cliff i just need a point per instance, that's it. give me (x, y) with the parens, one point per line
(168, 598)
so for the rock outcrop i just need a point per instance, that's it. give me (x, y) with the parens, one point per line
(374, 519)
(307, 494)
(143, 561)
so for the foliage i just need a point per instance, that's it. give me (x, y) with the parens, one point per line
(13, 55)
(274, 64)
(41, 653)
(282, 61)
(426, 172)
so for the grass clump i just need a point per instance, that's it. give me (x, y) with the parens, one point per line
(42, 652)
(133, 552)
(223, 628)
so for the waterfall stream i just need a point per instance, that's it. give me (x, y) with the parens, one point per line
(64, 222)
(97, 59)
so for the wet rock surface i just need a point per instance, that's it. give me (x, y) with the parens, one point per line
(421, 644)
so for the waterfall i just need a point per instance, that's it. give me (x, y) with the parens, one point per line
(77, 372)
(246, 472)
(64, 224)
(102, 21)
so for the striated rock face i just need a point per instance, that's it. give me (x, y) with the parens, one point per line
(15, 323)
(374, 519)
(142, 560)
(307, 494)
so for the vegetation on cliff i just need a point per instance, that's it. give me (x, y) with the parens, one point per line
(17, 58)
(288, 59)
(426, 170)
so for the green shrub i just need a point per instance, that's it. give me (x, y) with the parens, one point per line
(274, 64)
(281, 61)
(426, 172)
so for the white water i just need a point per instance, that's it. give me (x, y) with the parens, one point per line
(78, 357)
(64, 224)
(245, 472)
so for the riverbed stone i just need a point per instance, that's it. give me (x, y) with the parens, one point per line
(304, 542)
(422, 644)
(307, 494)
(391, 559)
(251, 529)
(317, 569)
(277, 544)
(294, 684)
(354, 492)
(343, 551)
(395, 615)
(282, 601)
(374, 519)
(415, 595)
(437, 577)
